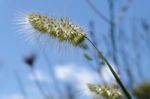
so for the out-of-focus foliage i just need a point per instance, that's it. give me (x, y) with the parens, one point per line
(143, 91)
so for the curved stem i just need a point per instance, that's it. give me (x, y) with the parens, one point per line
(111, 69)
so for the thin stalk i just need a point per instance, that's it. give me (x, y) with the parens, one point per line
(21, 86)
(52, 74)
(103, 17)
(113, 31)
(111, 69)
(51, 71)
(42, 92)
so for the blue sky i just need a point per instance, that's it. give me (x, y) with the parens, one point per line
(12, 48)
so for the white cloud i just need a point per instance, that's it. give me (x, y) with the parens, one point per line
(81, 76)
(39, 76)
(77, 75)
(14, 96)
(63, 72)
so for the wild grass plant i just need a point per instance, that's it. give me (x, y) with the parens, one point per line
(65, 31)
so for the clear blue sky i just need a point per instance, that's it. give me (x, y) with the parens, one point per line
(12, 48)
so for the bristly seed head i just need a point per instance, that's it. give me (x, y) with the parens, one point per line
(62, 28)
(105, 91)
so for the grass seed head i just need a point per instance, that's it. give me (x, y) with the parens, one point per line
(62, 29)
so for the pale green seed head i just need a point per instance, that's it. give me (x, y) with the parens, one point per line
(106, 91)
(62, 28)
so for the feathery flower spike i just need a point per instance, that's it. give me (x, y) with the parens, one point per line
(62, 28)
(106, 91)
